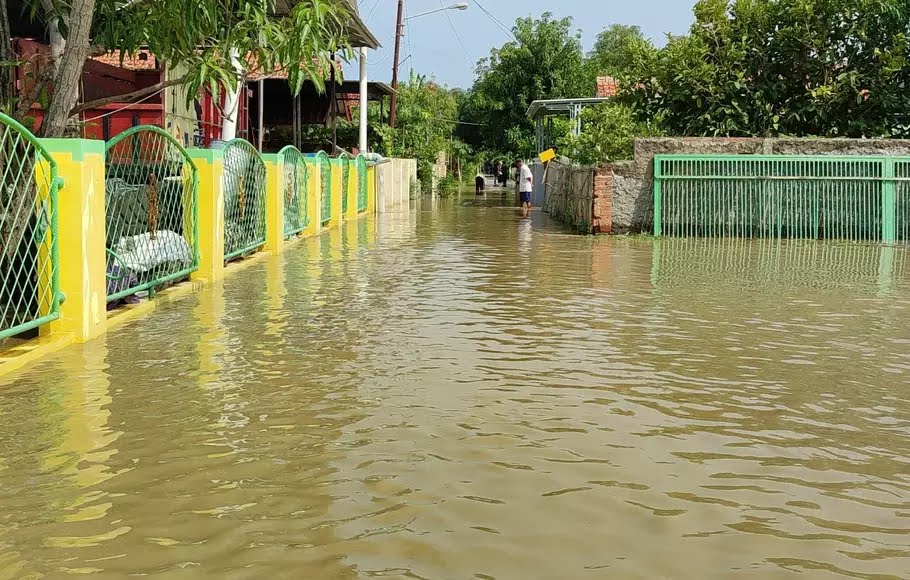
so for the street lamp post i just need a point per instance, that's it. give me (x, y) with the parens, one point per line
(399, 34)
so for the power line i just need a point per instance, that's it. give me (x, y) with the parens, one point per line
(495, 20)
(458, 36)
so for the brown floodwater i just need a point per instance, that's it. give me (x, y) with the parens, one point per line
(458, 393)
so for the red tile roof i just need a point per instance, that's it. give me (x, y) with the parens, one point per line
(606, 87)
(129, 62)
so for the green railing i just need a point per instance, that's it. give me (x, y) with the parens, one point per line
(346, 162)
(151, 212)
(29, 257)
(325, 195)
(294, 186)
(761, 196)
(244, 199)
(363, 192)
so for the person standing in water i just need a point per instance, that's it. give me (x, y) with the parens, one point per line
(525, 187)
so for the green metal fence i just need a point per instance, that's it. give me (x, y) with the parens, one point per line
(758, 196)
(362, 184)
(151, 212)
(294, 185)
(29, 258)
(244, 199)
(325, 174)
(346, 164)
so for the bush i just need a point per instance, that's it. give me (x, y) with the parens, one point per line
(608, 134)
(447, 186)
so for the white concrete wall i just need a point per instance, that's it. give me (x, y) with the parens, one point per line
(393, 187)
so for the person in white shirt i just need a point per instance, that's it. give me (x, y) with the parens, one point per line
(525, 187)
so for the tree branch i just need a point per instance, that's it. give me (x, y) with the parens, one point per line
(128, 97)
(26, 102)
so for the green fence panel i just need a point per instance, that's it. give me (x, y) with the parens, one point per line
(362, 184)
(325, 174)
(346, 164)
(902, 200)
(244, 199)
(779, 196)
(151, 211)
(29, 257)
(294, 185)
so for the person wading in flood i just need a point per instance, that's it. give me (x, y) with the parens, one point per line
(525, 187)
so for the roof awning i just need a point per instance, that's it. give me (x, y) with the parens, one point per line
(555, 107)
(376, 91)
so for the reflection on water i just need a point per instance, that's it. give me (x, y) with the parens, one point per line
(460, 393)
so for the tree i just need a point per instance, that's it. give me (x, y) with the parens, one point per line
(545, 61)
(615, 49)
(197, 37)
(426, 121)
(608, 133)
(836, 68)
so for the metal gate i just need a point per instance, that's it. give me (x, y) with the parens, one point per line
(325, 181)
(346, 162)
(151, 212)
(779, 196)
(244, 199)
(362, 184)
(294, 185)
(29, 258)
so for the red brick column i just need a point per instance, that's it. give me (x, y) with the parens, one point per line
(603, 200)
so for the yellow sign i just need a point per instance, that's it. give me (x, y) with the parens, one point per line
(548, 155)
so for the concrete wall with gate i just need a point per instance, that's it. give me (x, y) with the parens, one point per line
(632, 182)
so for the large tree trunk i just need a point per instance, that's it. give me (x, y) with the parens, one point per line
(69, 68)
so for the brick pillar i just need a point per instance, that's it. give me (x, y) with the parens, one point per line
(603, 200)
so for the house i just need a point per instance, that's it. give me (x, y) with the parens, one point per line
(197, 123)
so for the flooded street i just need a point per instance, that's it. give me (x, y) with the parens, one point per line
(458, 393)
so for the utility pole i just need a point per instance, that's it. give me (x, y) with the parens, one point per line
(399, 33)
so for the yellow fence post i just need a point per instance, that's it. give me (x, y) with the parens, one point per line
(353, 182)
(274, 204)
(81, 235)
(337, 192)
(371, 189)
(314, 190)
(210, 165)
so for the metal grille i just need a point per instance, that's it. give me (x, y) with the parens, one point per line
(902, 200)
(345, 161)
(151, 212)
(244, 199)
(29, 257)
(362, 184)
(295, 179)
(755, 196)
(325, 175)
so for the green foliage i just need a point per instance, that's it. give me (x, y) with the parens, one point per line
(200, 37)
(835, 68)
(425, 125)
(608, 134)
(615, 49)
(206, 38)
(447, 186)
(544, 62)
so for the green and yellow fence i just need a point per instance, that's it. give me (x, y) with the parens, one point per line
(29, 246)
(151, 223)
(85, 224)
(244, 199)
(325, 180)
(295, 190)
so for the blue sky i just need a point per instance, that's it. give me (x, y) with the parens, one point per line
(436, 51)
